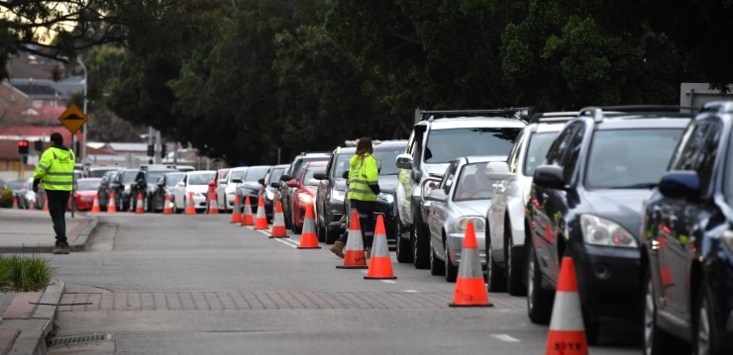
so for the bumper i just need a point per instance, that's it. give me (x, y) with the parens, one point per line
(455, 247)
(84, 205)
(608, 279)
(199, 202)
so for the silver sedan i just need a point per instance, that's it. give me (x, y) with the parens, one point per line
(460, 197)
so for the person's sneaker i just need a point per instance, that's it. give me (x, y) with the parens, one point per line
(60, 250)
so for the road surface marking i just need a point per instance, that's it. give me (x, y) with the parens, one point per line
(505, 337)
(389, 281)
(285, 242)
(411, 291)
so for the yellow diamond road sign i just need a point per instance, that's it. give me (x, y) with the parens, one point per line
(73, 118)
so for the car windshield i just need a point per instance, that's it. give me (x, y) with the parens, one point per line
(200, 179)
(443, 144)
(386, 160)
(539, 144)
(616, 162)
(15, 184)
(173, 179)
(87, 185)
(342, 164)
(128, 177)
(153, 176)
(236, 174)
(255, 174)
(97, 173)
(298, 168)
(308, 179)
(472, 184)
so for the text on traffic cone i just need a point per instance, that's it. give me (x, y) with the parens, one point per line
(308, 239)
(567, 333)
(354, 255)
(380, 264)
(470, 286)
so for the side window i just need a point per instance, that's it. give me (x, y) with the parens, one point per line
(555, 155)
(514, 154)
(449, 178)
(699, 150)
(570, 160)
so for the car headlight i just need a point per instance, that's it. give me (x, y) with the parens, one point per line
(338, 196)
(479, 224)
(600, 231)
(385, 198)
(269, 194)
(305, 199)
(128, 188)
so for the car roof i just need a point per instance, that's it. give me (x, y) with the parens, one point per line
(281, 166)
(316, 163)
(239, 168)
(200, 172)
(643, 121)
(476, 122)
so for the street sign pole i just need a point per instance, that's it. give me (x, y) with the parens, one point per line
(73, 119)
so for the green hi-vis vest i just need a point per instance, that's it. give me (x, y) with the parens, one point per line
(56, 169)
(362, 172)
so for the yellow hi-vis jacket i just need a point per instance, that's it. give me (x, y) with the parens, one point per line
(56, 169)
(363, 171)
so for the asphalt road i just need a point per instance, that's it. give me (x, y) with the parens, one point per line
(158, 284)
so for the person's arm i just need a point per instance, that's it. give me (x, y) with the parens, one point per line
(372, 174)
(43, 165)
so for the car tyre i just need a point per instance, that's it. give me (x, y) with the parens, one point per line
(320, 233)
(539, 300)
(514, 281)
(494, 274)
(704, 327)
(655, 341)
(403, 246)
(437, 266)
(420, 243)
(451, 271)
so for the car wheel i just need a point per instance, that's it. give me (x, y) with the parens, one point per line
(539, 300)
(437, 266)
(704, 327)
(513, 263)
(320, 233)
(451, 271)
(403, 247)
(494, 274)
(655, 341)
(420, 243)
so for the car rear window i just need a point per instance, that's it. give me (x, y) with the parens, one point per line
(386, 160)
(445, 145)
(615, 160)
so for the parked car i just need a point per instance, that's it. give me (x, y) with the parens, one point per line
(150, 176)
(250, 186)
(85, 192)
(458, 198)
(226, 188)
(437, 138)
(585, 202)
(122, 186)
(293, 172)
(505, 215)
(34, 200)
(19, 187)
(687, 242)
(165, 185)
(271, 182)
(305, 192)
(105, 187)
(213, 190)
(196, 184)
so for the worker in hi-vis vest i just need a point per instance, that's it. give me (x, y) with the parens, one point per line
(362, 195)
(55, 174)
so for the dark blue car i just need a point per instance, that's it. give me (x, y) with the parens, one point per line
(687, 243)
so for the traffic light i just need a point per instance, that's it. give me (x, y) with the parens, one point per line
(38, 145)
(163, 150)
(151, 150)
(23, 147)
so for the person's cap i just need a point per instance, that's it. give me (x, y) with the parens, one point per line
(57, 138)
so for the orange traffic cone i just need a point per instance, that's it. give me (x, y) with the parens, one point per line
(278, 223)
(247, 218)
(45, 203)
(139, 209)
(167, 208)
(567, 333)
(111, 205)
(308, 239)
(95, 205)
(470, 287)
(380, 265)
(190, 209)
(354, 255)
(261, 219)
(15, 202)
(236, 214)
(213, 204)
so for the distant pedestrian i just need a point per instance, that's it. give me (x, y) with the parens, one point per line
(362, 195)
(55, 174)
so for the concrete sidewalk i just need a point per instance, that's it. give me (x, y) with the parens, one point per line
(26, 318)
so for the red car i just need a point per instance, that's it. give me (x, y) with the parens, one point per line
(305, 192)
(85, 192)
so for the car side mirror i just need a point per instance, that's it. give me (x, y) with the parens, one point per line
(498, 170)
(292, 183)
(437, 195)
(320, 176)
(550, 176)
(680, 184)
(275, 184)
(285, 177)
(404, 161)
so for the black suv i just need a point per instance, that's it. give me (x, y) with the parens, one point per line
(147, 184)
(105, 187)
(585, 202)
(292, 173)
(122, 185)
(331, 195)
(687, 246)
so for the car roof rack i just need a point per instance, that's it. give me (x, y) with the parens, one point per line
(510, 112)
(553, 117)
(718, 106)
(599, 112)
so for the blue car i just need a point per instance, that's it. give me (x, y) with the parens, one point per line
(687, 242)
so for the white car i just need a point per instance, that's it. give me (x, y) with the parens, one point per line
(226, 189)
(510, 198)
(195, 184)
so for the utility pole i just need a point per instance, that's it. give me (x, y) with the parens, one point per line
(158, 148)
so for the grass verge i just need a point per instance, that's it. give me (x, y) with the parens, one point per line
(24, 273)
